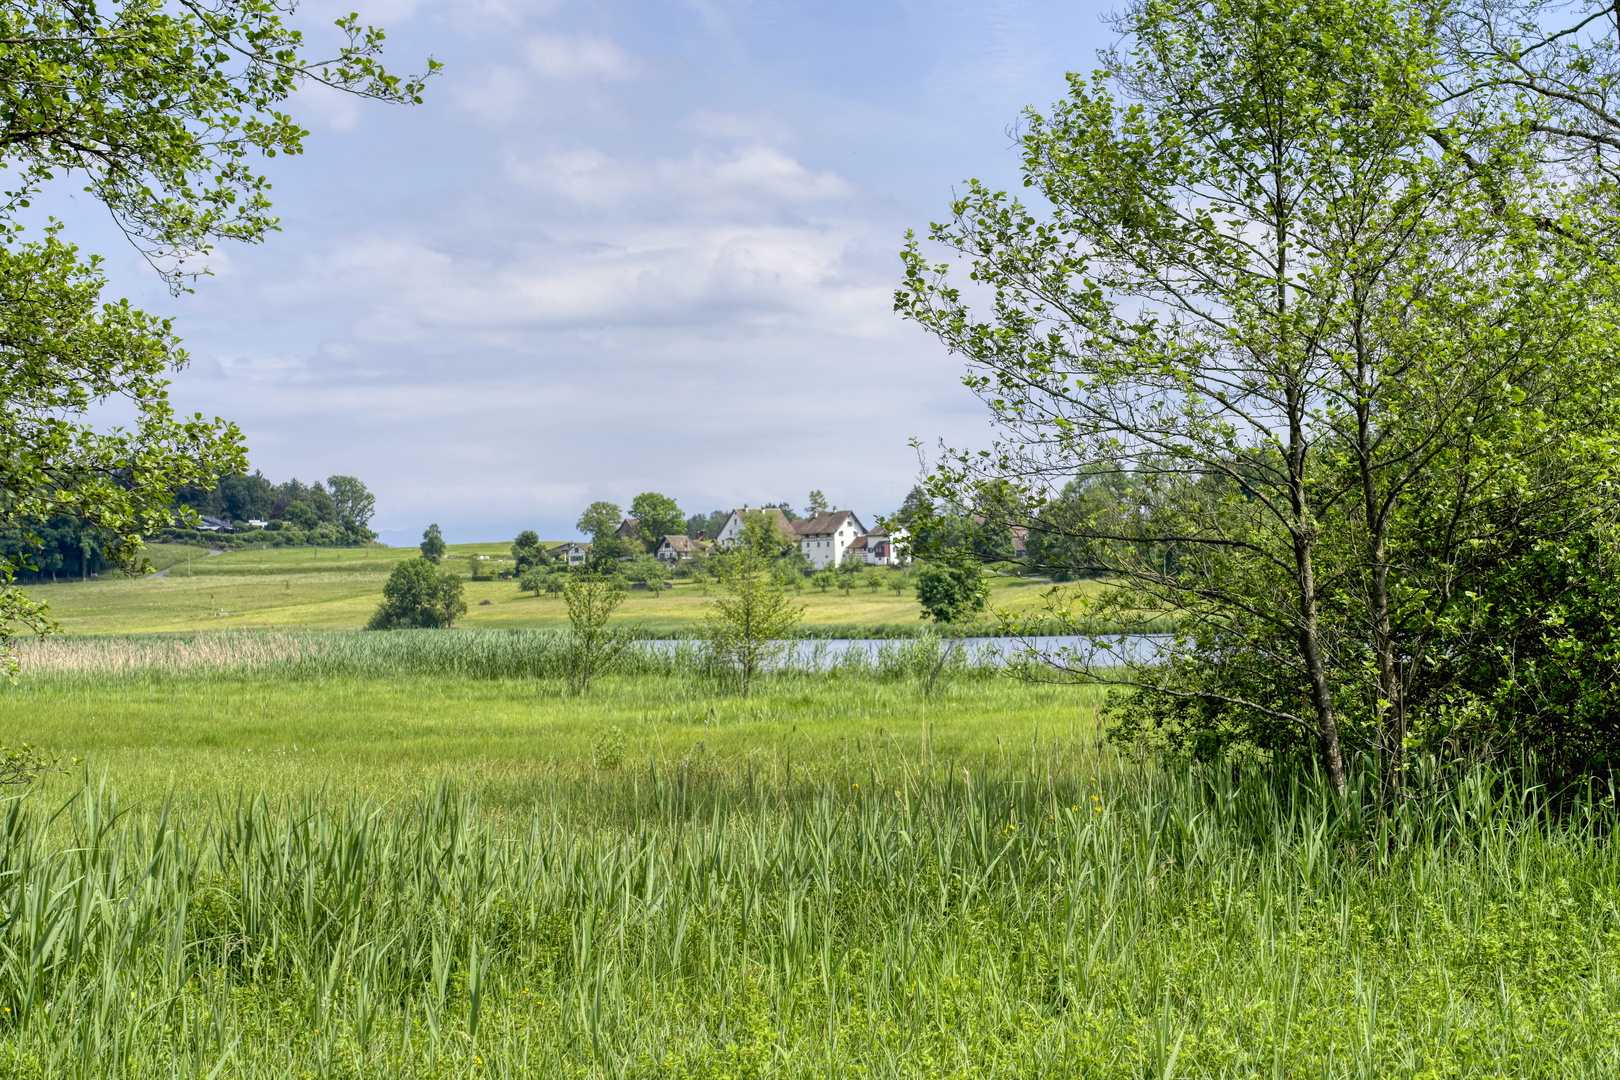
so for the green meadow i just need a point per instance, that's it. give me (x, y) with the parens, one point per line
(415, 854)
(339, 588)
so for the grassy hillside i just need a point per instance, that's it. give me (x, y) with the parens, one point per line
(339, 588)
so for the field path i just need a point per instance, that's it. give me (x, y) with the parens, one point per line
(166, 569)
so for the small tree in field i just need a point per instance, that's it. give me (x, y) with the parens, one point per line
(556, 582)
(592, 599)
(433, 544)
(748, 626)
(533, 580)
(418, 595)
(897, 582)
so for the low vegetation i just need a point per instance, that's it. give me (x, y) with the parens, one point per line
(416, 854)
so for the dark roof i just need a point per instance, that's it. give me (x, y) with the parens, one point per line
(828, 523)
(630, 528)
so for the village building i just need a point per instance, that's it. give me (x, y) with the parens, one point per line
(572, 553)
(826, 537)
(878, 548)
(731, 531)
(678, 546)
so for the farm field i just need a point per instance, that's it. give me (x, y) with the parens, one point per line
(339, 588)
(416, 855)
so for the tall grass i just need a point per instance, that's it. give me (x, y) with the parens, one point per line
(1061, 917)
(478, 654)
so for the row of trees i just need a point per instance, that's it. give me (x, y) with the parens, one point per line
(1310, 345)
(336, 511)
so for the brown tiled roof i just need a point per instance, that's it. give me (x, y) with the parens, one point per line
(682, 543)
(783, 525)
(823, 524)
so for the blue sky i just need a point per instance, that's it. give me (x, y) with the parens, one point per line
(624, 247)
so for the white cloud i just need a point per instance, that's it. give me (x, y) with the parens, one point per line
(760, 125)
(747, 180)
(580, 56)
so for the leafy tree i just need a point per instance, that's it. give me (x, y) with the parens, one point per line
(418, 594)
(872, 580)
(951, 593)
(749, 623)
(556, 582)
(321, 501)
(432, 544)
(303, 515)
(157, 108)
(1325, 332)
(656, 516)
(817, 504)
(823, 580)
(787, 511)
(526, 551)
(599, 520)
(916, 502)
(708, 526)
(897, 581)
(245, 498)
(606, 551)
(353, 504)
(533, 580)
(595, 646)
(154, 109)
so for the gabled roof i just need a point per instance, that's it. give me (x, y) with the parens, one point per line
(682, 543)
(630, 528)
(830, 522)
(783, 525)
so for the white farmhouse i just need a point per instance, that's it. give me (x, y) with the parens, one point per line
(878, 548)
(731, 531)
(825, 537)
(572, 554)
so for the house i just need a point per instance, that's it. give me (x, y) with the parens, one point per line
(257, 523)
(826, 537)
(731, 531)
(572, 554)
(879, 548)
(677, 546)
(629, 529)
(212, 524)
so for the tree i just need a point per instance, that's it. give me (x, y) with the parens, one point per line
(708, 526)
(599, 520)
(595, 646)
(897, 582)
(155, 109)
(1319, 347)
(526, 551)
(432, 544)
(951, 594)
(556, 582)
(656, 516)
(245, 498)
(823, 579)
(533, 580)
(817, 504)
(352, 503)
(302, 515)
(748, 625)
(418, 594)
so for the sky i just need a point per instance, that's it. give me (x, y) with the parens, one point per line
(623, 246)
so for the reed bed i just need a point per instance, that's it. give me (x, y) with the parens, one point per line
(477, 654)
(905, 919)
